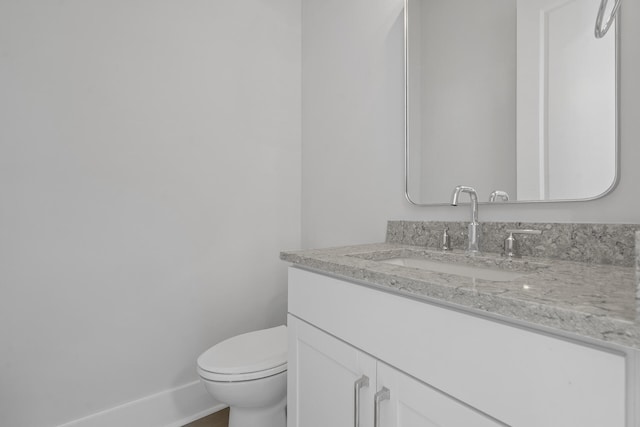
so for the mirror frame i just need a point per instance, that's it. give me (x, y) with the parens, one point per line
(616, 178)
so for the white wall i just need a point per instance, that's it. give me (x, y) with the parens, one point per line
(352, 122)
(352, 115)
(149, 176)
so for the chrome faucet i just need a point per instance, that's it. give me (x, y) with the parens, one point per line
(473, 225)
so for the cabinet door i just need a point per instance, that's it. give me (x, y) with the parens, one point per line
(413, 403)
(323, 375)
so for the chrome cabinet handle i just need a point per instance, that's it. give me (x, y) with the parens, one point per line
(383, 394)
(363, 381)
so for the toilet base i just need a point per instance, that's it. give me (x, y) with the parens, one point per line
(273, 416)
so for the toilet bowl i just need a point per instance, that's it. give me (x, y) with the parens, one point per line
(248, 372)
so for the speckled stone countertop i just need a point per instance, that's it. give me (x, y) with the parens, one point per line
(584, 298)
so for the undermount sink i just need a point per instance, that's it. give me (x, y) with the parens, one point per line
(484, 266)
(457, 269)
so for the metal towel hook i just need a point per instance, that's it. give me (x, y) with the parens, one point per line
(600, 30)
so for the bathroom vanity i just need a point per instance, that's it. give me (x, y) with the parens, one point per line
(374, 343)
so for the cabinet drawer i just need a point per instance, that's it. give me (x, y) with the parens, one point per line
(516, 375)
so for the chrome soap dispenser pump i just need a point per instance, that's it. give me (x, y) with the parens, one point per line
(511, 246)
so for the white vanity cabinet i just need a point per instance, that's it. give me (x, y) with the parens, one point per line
(442, 366)
(334, 385)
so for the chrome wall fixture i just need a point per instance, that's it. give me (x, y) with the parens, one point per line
(600, 30)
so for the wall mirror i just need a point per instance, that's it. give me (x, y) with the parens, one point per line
(513, 97)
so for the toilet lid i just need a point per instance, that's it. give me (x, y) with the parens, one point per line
(250, 353)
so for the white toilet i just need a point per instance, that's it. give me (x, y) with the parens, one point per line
(248, 372)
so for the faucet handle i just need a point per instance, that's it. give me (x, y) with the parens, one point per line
(511, 245)
(446, 240)
(499, 194)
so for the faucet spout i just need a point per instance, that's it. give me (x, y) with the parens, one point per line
(473, 225)
(473, 195)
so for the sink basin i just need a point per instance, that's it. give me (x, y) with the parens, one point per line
(484, 266)
(483, 273)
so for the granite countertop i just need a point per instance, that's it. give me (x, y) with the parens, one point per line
(588, 299)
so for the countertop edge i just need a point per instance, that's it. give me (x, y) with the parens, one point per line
(601, 328)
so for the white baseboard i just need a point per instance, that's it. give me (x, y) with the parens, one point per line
(170, 408)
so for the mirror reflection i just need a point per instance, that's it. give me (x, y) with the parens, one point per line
(516, 98)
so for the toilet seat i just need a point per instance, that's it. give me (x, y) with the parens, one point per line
(249, 356)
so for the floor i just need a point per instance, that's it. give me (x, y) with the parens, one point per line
(217, 419)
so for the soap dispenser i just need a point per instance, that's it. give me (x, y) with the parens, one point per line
(511, 246)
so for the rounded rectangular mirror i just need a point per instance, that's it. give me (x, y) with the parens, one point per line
(516, 98)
